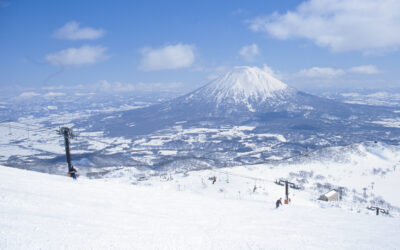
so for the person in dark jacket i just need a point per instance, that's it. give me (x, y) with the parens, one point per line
(278, 202)
(72, 172)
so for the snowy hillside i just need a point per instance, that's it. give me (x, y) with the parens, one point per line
(367, 173)
(41, 211)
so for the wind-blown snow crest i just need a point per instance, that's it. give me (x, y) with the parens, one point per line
(245, 85)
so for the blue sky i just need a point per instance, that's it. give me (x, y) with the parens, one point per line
(134, 45)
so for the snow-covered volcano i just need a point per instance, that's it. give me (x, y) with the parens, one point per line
(245, 95)
(246, 83)
(242, 90)
(239, 96)
(249, 86)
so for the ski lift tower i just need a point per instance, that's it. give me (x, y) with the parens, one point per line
(287, 184)
(68, 134)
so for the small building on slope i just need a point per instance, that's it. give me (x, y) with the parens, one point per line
(332, 195)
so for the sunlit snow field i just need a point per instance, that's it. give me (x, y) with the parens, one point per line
(41, 211)
(133, 209)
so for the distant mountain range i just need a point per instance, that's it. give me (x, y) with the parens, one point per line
(243, 117)
(250, 96)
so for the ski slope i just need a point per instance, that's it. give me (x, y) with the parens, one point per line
(42, 211)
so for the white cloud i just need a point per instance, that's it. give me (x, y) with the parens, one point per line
(73, 31)
(53, 94)
(341, 25)
(54, 87)
(77, 56)
(365, 69)
(107, 86)
(273, 73)
(169, 57)
(317, 72)
(249, 52)
(29, 94)
(115, 86)
(157, 86)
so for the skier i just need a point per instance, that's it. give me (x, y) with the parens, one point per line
(278, 202)
(214, 179)
(255, 188)
(72, 172)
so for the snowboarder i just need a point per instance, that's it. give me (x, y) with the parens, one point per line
(214, 179)
(278, 202)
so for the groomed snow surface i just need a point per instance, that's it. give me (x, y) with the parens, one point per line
(41, 211)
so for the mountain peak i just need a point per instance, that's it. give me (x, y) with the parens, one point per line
(250, 80)
(244, 85)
